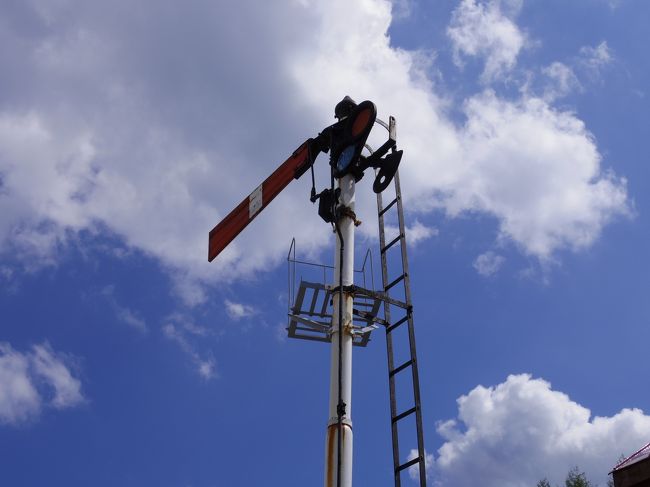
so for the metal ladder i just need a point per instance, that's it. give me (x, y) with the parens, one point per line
(398, 342)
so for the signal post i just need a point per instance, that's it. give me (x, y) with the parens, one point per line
(340, 400)
(344, 140)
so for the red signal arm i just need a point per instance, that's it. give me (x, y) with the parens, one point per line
(226, 230)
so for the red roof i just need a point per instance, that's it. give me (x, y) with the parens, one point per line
(635, 457)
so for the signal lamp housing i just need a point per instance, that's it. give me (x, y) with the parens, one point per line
(349, 137)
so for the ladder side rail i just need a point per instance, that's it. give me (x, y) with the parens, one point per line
(389, 345)
(411, 333)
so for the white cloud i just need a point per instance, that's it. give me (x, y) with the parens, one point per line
(488, 263)
(280, 332)
(188, 325)
(176, 331)
(598, 56)
(614, 4)
(124, 314)
(130, 318)
(44, 179)
(51, 367)
(401, 9)
(19, 399)
(151, 143)
(533, 167)
(206, 369)
(537, 170)
(561, 81)
(6, 273)
(32, 380)
(415, 233)
(486, 29)
(520, 431)
(419, 232)
(414, 470)
(115, 150)
(237, 311)
(595, 59)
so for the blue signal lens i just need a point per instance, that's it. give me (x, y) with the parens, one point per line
(345, 158)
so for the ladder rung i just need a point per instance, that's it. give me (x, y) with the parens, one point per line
(392, 327)
(393, 242)
(395, 282)
(388, 207)
(404, 414)
(408, 464)
(400, 368)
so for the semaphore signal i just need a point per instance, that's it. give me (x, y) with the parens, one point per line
(350, 312)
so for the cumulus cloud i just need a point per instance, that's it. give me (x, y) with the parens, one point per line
(488, 263)
(44, 177)
(537, 169)
(138, 141)
(33, 380)
(155, 140)
(486, 30)
(520, 431)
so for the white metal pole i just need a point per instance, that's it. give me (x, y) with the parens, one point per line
(346, 226)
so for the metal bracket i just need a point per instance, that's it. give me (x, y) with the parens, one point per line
(360, 291)
(310, 317)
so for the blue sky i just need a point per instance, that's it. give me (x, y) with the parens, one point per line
(128, 131)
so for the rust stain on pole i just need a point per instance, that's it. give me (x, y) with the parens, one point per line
(330, 468)
(331, 458)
